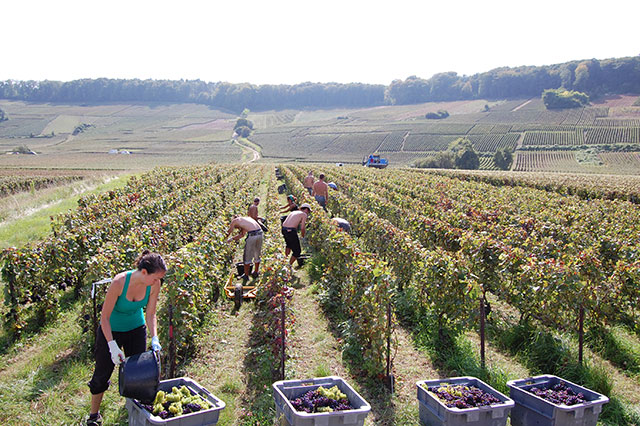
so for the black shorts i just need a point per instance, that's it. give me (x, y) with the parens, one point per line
(131, 342)
(292, 240)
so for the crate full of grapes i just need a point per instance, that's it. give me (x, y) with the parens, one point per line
(322, 401)
(179, 402)
(551, 401)
(461, 401)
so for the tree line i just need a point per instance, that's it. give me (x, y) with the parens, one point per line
(593, 77)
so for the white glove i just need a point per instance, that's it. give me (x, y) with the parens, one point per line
(155, 344)
(117, 356)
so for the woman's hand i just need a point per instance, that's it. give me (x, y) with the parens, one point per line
(155, 344)
(117, 356)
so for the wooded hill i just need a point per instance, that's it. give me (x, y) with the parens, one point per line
(594, 77)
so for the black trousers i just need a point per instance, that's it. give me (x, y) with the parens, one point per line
(131, 342)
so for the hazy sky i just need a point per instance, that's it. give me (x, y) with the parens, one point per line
(272, 41)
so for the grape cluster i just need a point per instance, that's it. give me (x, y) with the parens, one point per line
(559, 394)
(176, 403)
(322, 400)
(463, 396)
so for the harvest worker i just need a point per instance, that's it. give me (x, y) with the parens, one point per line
(309, 181)
(342, 224)
(253, 214)
(253, 244)
(291, 204)
(321, 192)
(122, 323)
(290, 231)
(253, 209)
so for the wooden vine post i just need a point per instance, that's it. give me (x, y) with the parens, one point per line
(172, 345)
(389, 379)
(482, 333)
(283, 331)
(580, 333)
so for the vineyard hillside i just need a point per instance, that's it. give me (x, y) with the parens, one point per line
(603, 137)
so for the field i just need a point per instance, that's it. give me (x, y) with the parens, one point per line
(185, 134)
(537, 252)
(541, 246)
(154, 135)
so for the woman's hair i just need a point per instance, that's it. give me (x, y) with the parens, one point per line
(152, 262)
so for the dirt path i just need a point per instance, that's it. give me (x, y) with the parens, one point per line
(217, 365)
(315, 352)
(254, 152)
(521, 105)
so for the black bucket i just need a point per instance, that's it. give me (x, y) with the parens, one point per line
(139, 377)
(303, 258)
(240, 269)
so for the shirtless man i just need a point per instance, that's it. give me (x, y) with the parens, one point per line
(290, 231)
(308, 182)
(253, 245)
(321, 192)
(253, 210)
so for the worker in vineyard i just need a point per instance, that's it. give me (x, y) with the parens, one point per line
(290, 226)
(123, 324)
(308, 182)
(252, 212)
(321, 191)
(292, 204)
(252, 246)
(342, 224)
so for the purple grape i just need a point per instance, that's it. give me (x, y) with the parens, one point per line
(559, 394)
(470, 396)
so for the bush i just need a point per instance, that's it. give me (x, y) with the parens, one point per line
(437, 115)
(560, 98)
(442, 160)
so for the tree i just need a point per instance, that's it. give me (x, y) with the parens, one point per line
(503, 158)
(442, 160)
(243, 122)
(243, 131)
(465, 155)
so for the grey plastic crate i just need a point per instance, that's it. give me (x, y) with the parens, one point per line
(434, 413)
(533, 410)
(138, 416)
(285, 390)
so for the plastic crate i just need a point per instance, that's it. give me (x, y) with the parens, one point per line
(533, 410)
(434, 413)
(285, 390)
(138, 416)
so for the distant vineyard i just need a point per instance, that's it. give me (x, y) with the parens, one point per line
(545, 160)
(618, 122)
(428, 142)
(621, 160)
(575, 137)
(492, 142)
(393, 142)
(486, 163)
(609, 135)
(15, 184)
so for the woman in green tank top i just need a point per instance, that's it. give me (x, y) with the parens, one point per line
(124, 322)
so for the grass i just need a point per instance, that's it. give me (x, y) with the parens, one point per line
(43, 379)
(34, 209)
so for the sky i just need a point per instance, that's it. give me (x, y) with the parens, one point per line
(289, 42)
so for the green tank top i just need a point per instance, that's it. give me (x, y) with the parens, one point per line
(128, 315)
